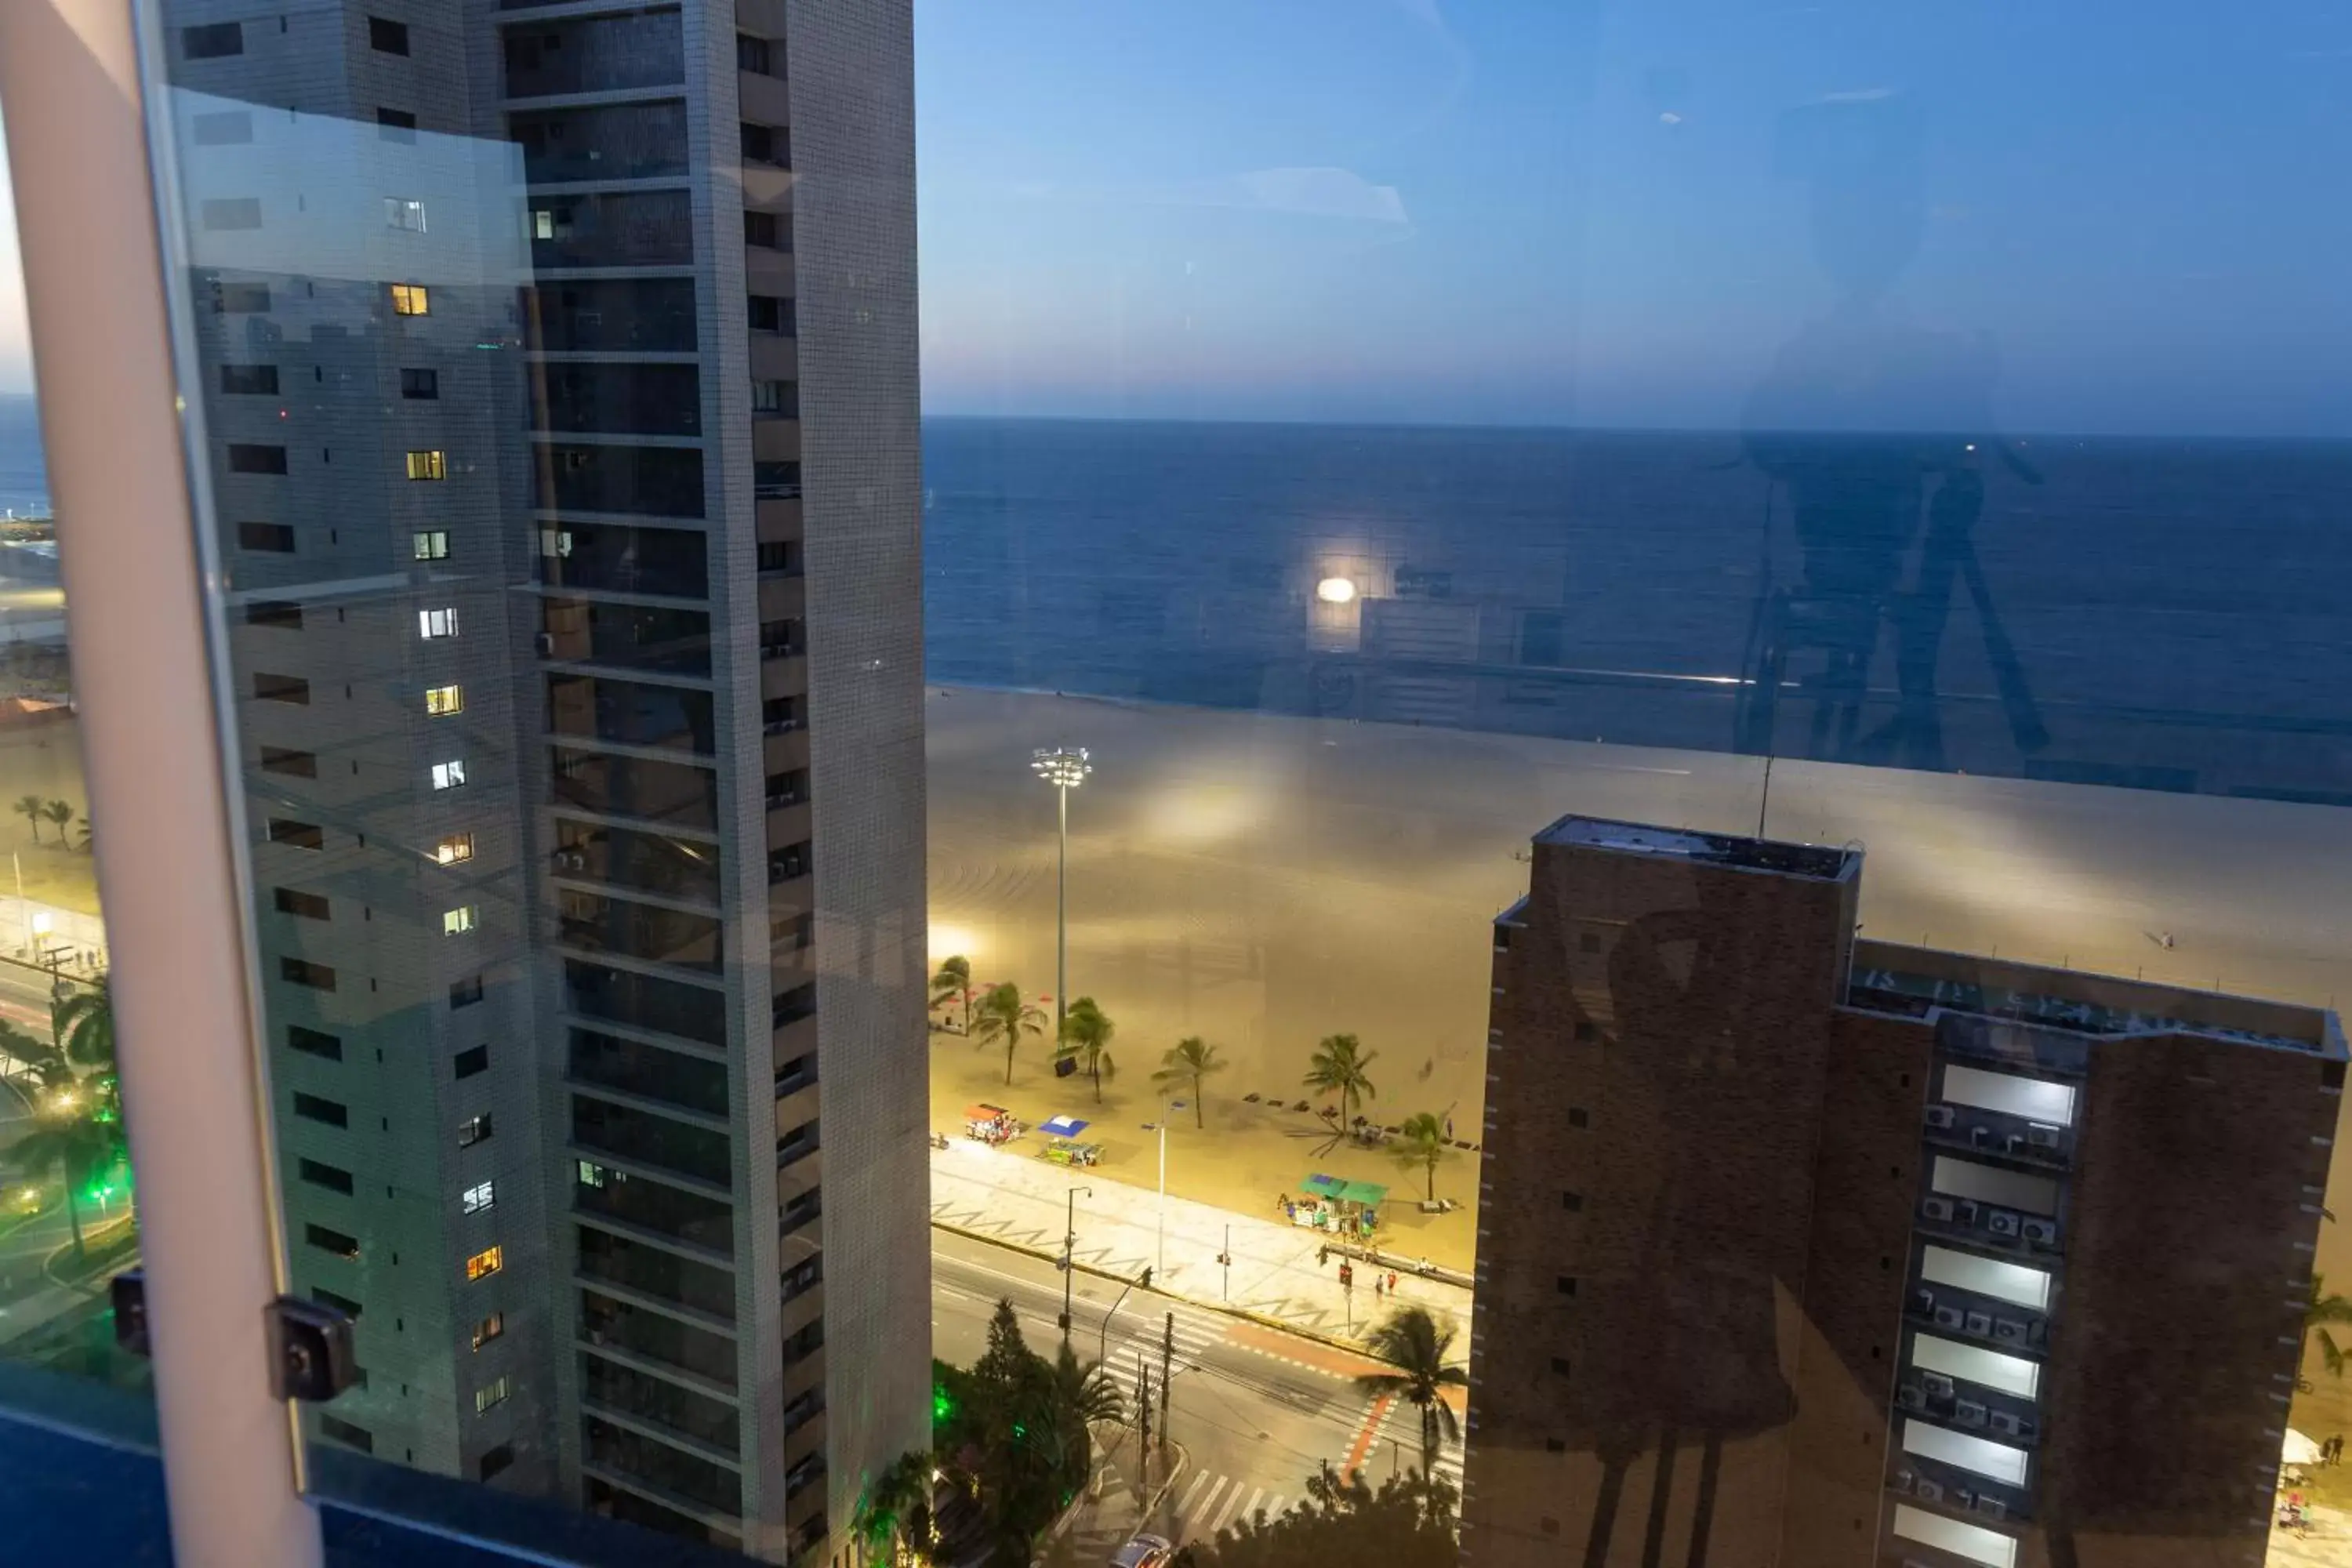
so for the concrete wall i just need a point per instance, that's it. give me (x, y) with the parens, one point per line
(852, 86)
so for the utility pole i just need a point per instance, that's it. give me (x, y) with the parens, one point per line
(1167, 1359)
(1069, 1264)
(1143, 1403)
(1226, 1261)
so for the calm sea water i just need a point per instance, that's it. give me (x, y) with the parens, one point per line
(23, 480)
(2167, 615)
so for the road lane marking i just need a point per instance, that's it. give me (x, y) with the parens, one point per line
(1368, 1433)
(1184, 1508)
(1208, 1503)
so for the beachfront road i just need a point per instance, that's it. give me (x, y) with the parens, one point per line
(1256, 1410)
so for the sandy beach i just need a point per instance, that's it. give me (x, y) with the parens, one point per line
(1265, 880)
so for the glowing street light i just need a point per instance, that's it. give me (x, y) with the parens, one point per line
(1066, 768)
(1336, 590)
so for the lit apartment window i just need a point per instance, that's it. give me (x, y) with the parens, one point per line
(472, 1131)
(459, 921)
(543, 224)
(410, 300)
(454, 848)
(555, 541)
(491, 1393)
(440, 623)
(440, 700)
(478, 1198)
(432, 544)
(488, 1329)
(592, 1175)
(428, 466)
(401, 213)
(449, 774)
(485, 1263)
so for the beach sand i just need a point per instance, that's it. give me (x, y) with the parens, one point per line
(1265, 880)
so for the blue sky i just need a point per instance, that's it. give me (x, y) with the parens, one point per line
(2087, 219)
(1695, 213)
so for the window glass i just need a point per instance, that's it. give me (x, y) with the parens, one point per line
(1672, 673)
(69, 1205)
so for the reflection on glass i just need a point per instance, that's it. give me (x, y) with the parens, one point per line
(68, 1216)
(509, 594)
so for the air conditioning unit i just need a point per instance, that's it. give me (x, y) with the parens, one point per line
(2009, 1331)
(2042, 1137)
(1938, 1209)
(1939, 1116)
(2000, 1222)
(1948, 1317)
(1928, 1491)
(2012, 1144)
(1903, 1480)
(1908, 1396)
(2043, 1232)
(1963, 1497)
(1980, 1135)
(1979, 1322)
(1969, 1412)
(1992, 1508)
(1964, 1211)
(1923, 1300)
(2006, 1423)
(1936, 1384)
(546, 641)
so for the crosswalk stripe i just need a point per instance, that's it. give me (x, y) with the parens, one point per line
(1208, 1503)
(1232, 1503)
(1256, 1498)
(1185, 1507)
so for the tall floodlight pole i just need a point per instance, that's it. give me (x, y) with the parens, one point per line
(1066, 768)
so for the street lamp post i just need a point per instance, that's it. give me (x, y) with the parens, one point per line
(1069, 1249)
(1066, 768)
(1160, 1245)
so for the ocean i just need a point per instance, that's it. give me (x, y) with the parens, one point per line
(2157, 614)
(23, 478)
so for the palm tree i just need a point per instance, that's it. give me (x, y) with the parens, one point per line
(2320, 1311)
(40, 1059)
(1085, 1391)
(28, 806)
(895, 1511)
(82, 835)
(80, 1146)
(59, 812)
(953, 982)
(1086, 1030)
(1003, 1017)
(1421, 1142)
(84, 1026)
(1338, 1067)
(1189, 1061)
(1413, 1341)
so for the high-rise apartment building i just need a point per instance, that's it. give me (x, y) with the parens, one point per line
(1805, 1250)
(571, 547)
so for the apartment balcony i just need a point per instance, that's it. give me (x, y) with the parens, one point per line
(803, 1308)
(2005, 1140)
(764, 99)
(789, 823)
(775, 439)
(768, 270)
(1955, 1313)
(1990, 1227)
(1967, 1406)
(783, 596)
(775, 357)
(617, 1344)
(785, 678)
(1959, 1490)
(777, 519)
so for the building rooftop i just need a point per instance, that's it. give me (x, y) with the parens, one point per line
(1809, 860)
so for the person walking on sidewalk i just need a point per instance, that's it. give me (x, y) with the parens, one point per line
(1391, 1284)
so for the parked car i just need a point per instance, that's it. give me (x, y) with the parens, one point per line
(1144, 1551)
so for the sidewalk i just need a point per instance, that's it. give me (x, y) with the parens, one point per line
(1008, 1194)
